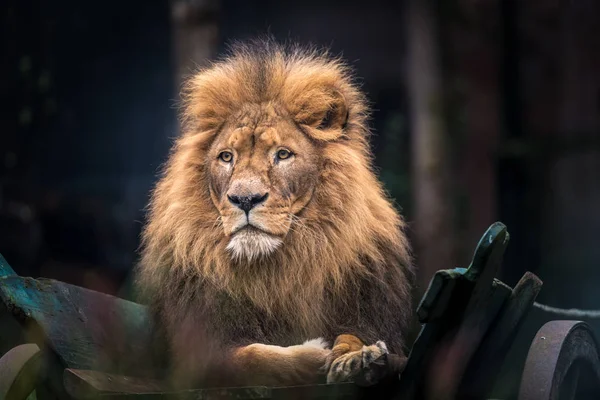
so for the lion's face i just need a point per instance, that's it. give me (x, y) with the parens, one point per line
(262, 172)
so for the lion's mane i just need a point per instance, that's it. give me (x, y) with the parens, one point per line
(348, 234)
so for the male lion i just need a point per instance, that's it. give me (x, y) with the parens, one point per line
(269, 234)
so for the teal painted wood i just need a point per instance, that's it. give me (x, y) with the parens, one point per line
(86, 329)
(485, 368)
(5, 268)
(458, 307)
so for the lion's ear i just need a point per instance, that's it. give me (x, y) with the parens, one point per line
(323, 113)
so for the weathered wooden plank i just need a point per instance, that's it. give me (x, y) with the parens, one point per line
(253, 393)
(20, 372)
(83, 384)
(438, 296)
(457, 314)
(345, 391)
(486, 364)
(92, 384)
(5, 268)
(86, 329)
(462, 345)
(432, 332)
(486, 299)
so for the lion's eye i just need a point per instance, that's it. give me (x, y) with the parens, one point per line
(283, 154)
(226, 156)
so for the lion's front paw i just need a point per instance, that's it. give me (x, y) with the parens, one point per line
(365, 367)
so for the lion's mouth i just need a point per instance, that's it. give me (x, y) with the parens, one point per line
(251, 229)
(250, 242)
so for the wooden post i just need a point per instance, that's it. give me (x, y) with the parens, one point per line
(474, 64)
(195, 34)
(432, 203)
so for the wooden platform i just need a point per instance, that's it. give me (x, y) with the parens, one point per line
(91, 345)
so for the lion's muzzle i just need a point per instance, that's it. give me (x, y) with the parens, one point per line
(247, 203)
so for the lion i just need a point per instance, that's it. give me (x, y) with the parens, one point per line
(269, 236)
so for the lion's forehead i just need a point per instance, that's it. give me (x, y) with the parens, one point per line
(253, 115)
(263, 124)
(247, 136)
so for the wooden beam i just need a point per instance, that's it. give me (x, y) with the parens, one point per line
(85, 383)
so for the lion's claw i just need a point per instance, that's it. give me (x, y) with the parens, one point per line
(365, 367)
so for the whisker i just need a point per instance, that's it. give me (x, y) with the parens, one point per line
(218, 222)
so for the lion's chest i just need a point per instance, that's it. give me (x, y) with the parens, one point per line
(240, 321)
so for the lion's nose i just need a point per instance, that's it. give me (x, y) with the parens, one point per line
(247, 203)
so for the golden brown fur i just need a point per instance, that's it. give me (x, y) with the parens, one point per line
(335, 260)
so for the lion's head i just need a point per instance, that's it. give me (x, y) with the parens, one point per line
(262, 171)
(270, 194)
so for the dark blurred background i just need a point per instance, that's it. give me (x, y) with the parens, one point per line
(484, 110)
